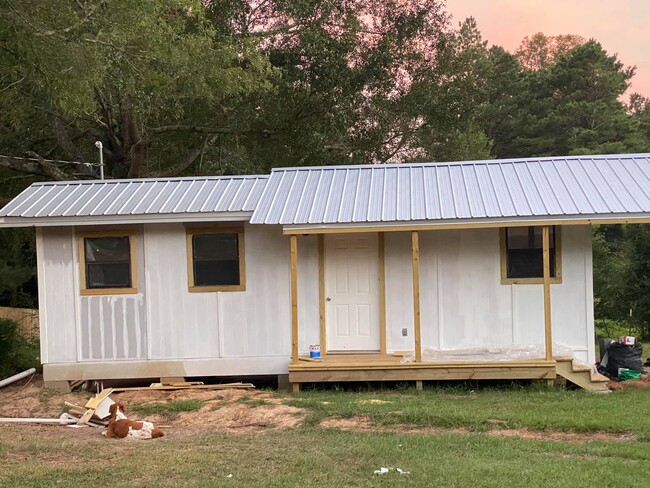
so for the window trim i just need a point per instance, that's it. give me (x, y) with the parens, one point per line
(557, 279)
(190, 232)
(83, 290)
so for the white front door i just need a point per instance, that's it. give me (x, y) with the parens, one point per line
(352, 292)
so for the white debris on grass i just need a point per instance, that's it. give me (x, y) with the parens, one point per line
(384, 470)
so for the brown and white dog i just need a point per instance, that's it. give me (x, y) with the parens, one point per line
(119, 426)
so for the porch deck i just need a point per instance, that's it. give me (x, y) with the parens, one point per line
(388, 367)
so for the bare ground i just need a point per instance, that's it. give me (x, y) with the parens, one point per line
(228, 411)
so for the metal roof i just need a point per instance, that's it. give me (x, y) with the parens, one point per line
(517, 188)
(115, 198)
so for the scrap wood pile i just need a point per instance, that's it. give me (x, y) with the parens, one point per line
(96, 411)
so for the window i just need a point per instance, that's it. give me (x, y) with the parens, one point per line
(215, 259)
(107, 263)
(521, 255)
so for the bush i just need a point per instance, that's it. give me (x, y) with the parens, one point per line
(16, 353)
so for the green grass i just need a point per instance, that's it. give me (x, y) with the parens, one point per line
(253, 402)
(535, 408)
(311, 455)
(168, 410)
(322, 457)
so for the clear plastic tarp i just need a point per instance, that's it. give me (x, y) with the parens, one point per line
(488, 354)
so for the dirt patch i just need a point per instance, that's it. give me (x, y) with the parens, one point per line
(561, 436)
(354, 423)
(372, 401)
(640, 384)
(221, 410)
(363, 424)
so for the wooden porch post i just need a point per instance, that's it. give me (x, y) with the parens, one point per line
(294, 299)
(547, 292)
(415, 244)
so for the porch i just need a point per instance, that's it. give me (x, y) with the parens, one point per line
(379, 363)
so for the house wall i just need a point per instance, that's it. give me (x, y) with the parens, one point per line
(463, 303)
(164, 321)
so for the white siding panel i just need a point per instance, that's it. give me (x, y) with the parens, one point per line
(183, 324)
(399, 291)
(257, 322)
(572, 301)
(475, 307)
(112, 327)
(59, 294)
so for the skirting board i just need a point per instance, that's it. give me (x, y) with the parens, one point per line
(247, 366)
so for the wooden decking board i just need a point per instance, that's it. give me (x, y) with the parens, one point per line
(387, 367)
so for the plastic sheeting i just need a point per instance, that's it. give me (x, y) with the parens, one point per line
(488, 354)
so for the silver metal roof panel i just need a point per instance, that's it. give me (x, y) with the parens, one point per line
(102, 198)
(516, 188)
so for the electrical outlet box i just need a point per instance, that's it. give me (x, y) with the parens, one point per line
(405, 332)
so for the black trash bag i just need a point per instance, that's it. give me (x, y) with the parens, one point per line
(622, 356)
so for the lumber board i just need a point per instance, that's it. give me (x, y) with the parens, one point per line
(294, 299)
(548, 338)
(93, 403)
(538, 373)
(236, 386)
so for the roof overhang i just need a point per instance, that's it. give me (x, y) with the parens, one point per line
(204, 217)
(406, 226)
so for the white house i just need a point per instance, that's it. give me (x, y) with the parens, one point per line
(238, 276)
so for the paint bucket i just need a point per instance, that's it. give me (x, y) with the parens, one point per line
(314, 351)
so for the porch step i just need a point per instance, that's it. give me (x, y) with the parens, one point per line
(581, 375)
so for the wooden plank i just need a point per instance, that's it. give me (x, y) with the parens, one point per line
(93, 403)
(235, 386)
(354, 362)
(415, 248)
(535, 373)
(321, 295)
(547, 292)
(382, 293)
(294, 299)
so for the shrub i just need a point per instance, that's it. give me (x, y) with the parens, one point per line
(16, 353)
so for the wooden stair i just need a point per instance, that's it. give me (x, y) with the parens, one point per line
(581, 375)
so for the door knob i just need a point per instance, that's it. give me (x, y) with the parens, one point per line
(328, 299)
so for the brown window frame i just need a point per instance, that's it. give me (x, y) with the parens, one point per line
(83, 285)
(190, 233)
(505, 280)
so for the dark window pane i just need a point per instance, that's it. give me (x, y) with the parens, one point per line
(524, 252)
(114, 275)
(107, 249)
(216, 273)
(108, 262)
(216, 259)
(215, 247)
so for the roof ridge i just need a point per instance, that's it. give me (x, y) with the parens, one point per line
(144, 180)
(464, 163)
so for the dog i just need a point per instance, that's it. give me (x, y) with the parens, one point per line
(120, 427)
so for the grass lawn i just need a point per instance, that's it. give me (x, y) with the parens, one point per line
(442, 437)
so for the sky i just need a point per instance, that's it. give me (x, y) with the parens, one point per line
(621, 26)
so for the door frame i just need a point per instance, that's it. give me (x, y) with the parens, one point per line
(381, 272)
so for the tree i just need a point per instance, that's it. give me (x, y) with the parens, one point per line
(153, 80)
(540, 52)
(572, 107)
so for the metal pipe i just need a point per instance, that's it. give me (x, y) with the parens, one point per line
(63, 421)
(17, 377)
(99, 146)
